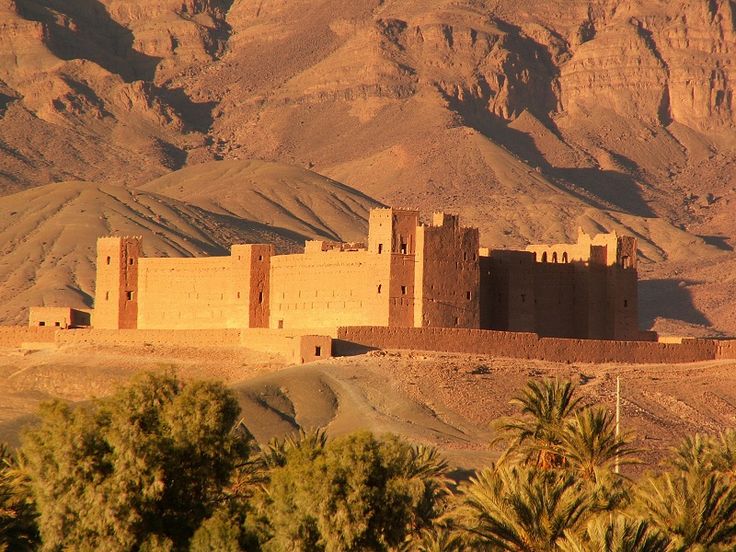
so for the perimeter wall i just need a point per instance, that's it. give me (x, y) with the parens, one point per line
(15, 336)
(531, 346)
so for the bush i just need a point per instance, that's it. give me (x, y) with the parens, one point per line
(146, 466)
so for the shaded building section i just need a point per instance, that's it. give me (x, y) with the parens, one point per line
(585, 290)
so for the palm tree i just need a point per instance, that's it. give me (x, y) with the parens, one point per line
(725, 453)
(545, 407)
(439, 538)
(425, 465)
(18, 529)
(619, 534)
(589, 443)
(524, 509)
(696, 510)
(695, 454)
(310, 442)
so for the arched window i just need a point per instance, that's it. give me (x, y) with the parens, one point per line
(544, 257)
(564, 257)
(554, 257)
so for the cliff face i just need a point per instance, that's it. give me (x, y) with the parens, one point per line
(528, 118)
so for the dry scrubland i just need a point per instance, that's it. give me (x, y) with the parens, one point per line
(528, 118)
(446, 400)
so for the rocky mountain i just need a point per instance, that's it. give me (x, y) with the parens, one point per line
(528, 118)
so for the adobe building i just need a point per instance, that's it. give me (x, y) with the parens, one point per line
(586, 290)
(408, 274)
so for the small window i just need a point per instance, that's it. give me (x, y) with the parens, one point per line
(564, 257)
(129, 295)
(318, 351)
(403, 290)
(457, 321)
(130, 261)
(57, 324)
(544, 257)
(380, 248)
(465, 255)
(42, 323)
(260, 257)
(281, 325)
(260, 297)
(626, 303)
(403, 249)
(237, 295)
(625, 261)
(469, 295)
(107, 296)
(554, 257)
(379, 288)
(108, 260)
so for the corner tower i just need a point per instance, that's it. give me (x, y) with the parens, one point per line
(116, 288)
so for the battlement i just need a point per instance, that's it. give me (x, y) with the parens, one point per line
(600, 250)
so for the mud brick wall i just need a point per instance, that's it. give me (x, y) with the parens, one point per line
(531, 346)
(188, 338)
(14, 336)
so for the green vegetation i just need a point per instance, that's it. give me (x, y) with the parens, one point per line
(167, 466)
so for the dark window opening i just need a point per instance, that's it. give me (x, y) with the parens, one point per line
(260, 257)
(380, 248)
(403, 290)
(129, 295)
(130, 261)
(626, 303)
(281, 324)
(403, 249)
(379, 288)
(625, 261)
(457, 321)
(318, 351)
(469, 295)
(465, 255)
(57, 324)
(238, 295)
(42, 323)
(564, 257)
(107, 296)
(108, 260)
(260, 297)
(554, 257)
(544, 257)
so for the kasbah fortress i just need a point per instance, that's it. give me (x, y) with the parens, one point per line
(416, 286)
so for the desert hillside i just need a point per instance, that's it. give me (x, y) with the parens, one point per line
(528, 118)
(447, 400)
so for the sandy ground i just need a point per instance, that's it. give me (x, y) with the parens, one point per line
(447, 400)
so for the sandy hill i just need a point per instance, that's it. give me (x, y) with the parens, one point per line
(275, 194)
(48, 234)
(528, 118)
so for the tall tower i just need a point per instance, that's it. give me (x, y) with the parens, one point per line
(116, 289)
(393, 234)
